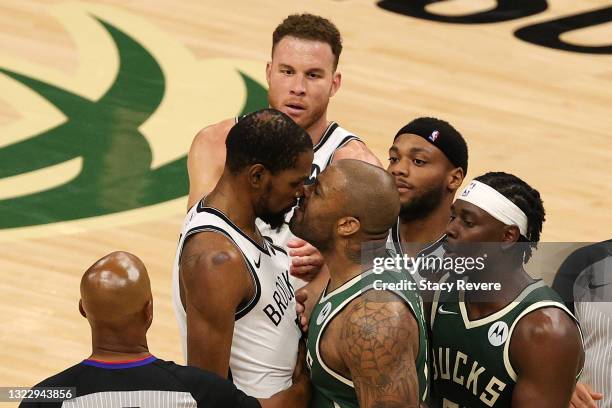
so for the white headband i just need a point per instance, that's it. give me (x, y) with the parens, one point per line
(495, 203)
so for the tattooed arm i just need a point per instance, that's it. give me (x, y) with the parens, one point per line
(378, 344)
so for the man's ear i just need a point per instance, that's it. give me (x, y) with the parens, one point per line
(149, 313)
(347, 226)
(81, 310)
(257, 174)
(268, 72)
(455, 178)
(511, 235)
(336, 82)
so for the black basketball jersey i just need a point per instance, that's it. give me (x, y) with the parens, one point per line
(148, 382)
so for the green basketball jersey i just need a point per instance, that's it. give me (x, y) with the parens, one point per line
(471, 361)
(330, 389)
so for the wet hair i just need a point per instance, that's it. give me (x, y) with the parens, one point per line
(268, 137)
(524, 197)
(310, 27)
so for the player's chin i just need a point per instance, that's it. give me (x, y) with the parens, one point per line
(450, 249)
(295, 224)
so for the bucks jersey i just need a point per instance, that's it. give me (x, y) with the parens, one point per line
(265, 338)
(333, 139)
(471, 358)
(331, 389)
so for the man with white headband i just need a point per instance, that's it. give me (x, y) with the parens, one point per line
(499, 337)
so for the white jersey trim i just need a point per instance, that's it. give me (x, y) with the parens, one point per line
(536, 306)
(256, 285)
(470, 324)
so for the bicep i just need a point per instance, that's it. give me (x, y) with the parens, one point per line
(215, 282)
(380, 340)
(546, 349)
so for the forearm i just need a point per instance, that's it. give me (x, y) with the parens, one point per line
(209, 359)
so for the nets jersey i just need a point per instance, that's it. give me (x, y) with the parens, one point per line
(434, 250)
(330, 389)
(471, 358)
(333, 139)
(265, 339)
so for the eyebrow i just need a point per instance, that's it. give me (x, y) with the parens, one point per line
(394, 149)
(419, 150)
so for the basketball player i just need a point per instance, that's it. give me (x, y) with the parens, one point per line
(428, 160)
(117, 302)
(232, 295)
(514, 346)
(302, 77)
(366, 344)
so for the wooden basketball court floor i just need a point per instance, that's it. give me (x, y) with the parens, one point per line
(99, 102)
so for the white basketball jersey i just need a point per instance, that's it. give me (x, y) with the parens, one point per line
(333, 139)
(265, 341)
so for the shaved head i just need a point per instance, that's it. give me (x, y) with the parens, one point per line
(351, 200)
(369, 194)
(116, 293)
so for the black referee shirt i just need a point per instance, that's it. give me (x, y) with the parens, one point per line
(148, 382)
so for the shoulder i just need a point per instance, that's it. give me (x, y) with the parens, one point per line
(213, 134)
(379, 309)
(357, 149)
(205, 254)
(211, 248)
(549, 331)
(63, 378)
(546, 324)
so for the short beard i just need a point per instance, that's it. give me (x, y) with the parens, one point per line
(423, 205)
(274, 220)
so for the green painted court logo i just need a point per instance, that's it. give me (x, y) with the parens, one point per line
(116, 172)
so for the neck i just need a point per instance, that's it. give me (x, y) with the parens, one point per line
(229, 199)
(423, 231)
(341, 269)
(316, 130)
(513, 279)
(118, 347)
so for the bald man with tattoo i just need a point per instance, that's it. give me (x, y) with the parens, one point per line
(117, 302)
(367, 345)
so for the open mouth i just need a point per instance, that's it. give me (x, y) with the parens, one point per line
(294, 108)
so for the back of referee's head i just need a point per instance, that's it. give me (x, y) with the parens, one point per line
(116, 296)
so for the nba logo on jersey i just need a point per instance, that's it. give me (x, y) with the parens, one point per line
(498, 333)
(434, 135)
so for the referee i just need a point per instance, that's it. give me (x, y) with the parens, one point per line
(121, 372)
(584, 280)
